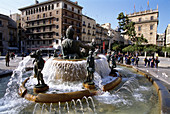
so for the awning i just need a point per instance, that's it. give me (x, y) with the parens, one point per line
(47, 48)
(12, 48)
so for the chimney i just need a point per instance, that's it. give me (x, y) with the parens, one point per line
(36, 2)
(76, 2)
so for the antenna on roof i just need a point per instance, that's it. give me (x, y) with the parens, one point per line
(148, 5)
(134, 8)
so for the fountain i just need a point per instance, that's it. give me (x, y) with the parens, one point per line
(73, 90)
(72, 67)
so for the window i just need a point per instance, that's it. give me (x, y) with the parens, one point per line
(43, 28)
(49, 7)
(151, 17)
(57, 19)
(37, 10)
(72, 15)
(38, 22)
(78, 11)
(57, 26)
(83, 29)
(32, 42)
(43, 21)
(65, 5)
(0, 36)
(140, 19)
(45, 8)
(139, 28)
(40, 9)
(38, 16)
(38, 42)
(52, 7)
(50, 42)
(50, 13)
(33, 11)
(72, 8)
(56, 12)
(57, 34)
(138, 34)
(72, 22)
(151, 27)
(0, 23)
(150, 33)
(44, 15)
(32, 23)
(57, 4)
(43, 41)
(50, 28)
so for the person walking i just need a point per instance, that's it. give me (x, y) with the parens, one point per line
(156, 62)
(133, 60)
(145, 60)
(149, 61)
(152, 62)
(137, 60)
(7, 59)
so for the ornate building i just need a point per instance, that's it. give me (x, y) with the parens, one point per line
(146, 23)
(8, 34)
(88, 29)
(46, 22)
(167, 35)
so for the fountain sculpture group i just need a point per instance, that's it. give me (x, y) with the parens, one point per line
(71, 56)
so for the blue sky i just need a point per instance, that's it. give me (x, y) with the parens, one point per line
(103, 11)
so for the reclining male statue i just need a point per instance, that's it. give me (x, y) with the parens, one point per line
(71, 47)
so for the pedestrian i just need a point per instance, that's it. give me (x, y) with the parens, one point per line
(23, 55)
(149, 60)
(156, 62)
(7, 59)
(137, 60)
(133, 60)
(145, 60)
(152, 62)
(108, 56)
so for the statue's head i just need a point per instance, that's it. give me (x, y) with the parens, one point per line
(90, 52)
(38, 52)
(70, 32)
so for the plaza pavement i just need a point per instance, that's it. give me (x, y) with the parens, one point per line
(162, 72)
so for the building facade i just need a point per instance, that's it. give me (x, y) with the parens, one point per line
(46, 22)
(160, 39)
(167, 35)
(8, 34)
(146, 23)
(88, 29)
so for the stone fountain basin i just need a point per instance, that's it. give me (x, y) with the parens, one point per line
(63, 97)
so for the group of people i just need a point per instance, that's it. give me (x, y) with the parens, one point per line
(132, 60)
(151, 62)
(7, 57)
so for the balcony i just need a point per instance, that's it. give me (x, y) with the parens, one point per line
(70, 10)
(70, 17)
(89, 26)
(41, 32)
(93, 34)
(41, 25)
(146, 21)
(84, 25)
(84, 32)
(44, 18)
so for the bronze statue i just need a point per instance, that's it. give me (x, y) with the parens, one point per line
(90, 68)
(38, 66)
(71, 47)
